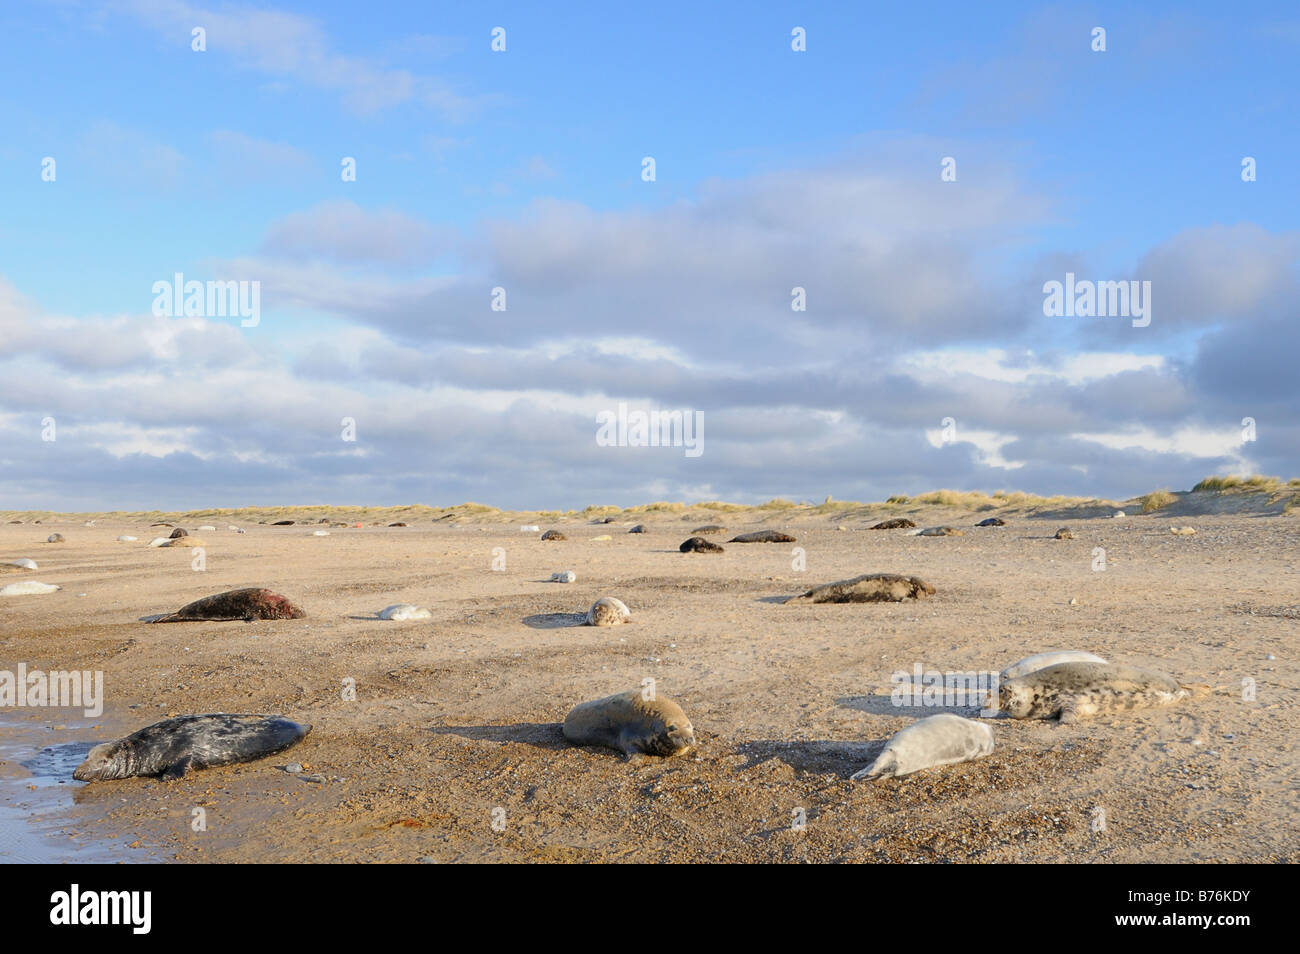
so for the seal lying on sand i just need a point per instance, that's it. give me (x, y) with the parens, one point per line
(404, 611)
(1063, 534)
(944, 739)
(898, 523)
(27, 588)
(178, 532)
(1042, 660)
(700, 545)
(608, 611)
(185, 541)
(869, 588)
(175, 746)
(763, 536)
(564, 576)
(639, 528)
(246, 604)
(631, 724)
(1077, 690)
(710, 528)
(992, 522)
(940, 532)
(20, 564)
(54, 538)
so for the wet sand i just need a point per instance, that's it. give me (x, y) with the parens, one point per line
(455, 726)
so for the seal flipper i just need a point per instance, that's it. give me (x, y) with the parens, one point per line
(629, 743)
(1069, 712)
(178, 769)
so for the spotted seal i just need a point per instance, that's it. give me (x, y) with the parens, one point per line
(898, 523)
(173, 747)
(943, 739)
(1077, 690)
(632, 724)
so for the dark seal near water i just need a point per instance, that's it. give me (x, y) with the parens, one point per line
(898, 523)
(869, 588)
(176, 746)
(992, 522)
(763, 536)
(700, 545)
(553, 535)
(246, 604)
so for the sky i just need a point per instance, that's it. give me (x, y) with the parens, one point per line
(450, 322)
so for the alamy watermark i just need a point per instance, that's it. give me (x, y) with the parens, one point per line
(930, 688)
(55, 689)
(654, 428)
(213, 299)
(1087, 299)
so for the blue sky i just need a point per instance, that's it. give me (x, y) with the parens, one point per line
(522, 169)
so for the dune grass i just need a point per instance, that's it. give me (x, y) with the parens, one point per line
(1252, 484)
(1156, 500)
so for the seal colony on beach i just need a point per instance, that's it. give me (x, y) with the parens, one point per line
(1077, 690)
(631, 724)
(868, 588)
(247, 604)
(943, 739)
(174, 747)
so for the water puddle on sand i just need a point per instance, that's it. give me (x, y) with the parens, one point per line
(39, 819)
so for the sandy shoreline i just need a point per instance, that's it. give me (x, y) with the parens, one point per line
(457, 717)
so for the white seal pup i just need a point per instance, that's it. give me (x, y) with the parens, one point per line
(1078, 690)
(608, 611)
(27, 588)
(404, 611)
(16, 566)
(632, 724)
(1039, 661)
(160, 542)
(127, 539)
(207, 526)
(320, 533)
(175, 746)
(530, 528)
(943, 739)
(564, 576)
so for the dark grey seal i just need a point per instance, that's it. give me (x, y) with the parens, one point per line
(869, 588)
(763, 536)
(173, 747)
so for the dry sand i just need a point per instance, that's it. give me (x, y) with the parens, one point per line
(458, 716)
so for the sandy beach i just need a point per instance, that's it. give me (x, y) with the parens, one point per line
(452, 750)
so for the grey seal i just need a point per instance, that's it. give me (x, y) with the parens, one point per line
(943, 739)
(175, 746)
(1077, 690)
(631, 724)
(868, 588)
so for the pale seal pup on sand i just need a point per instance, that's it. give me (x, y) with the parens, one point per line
(27, 588)
(185, 541)
(763, 536)
(710, 528)
(608, 611)
(943, 739)
(320, 533)
(22, 564)
(564, 576)
(176, 746)
(530, 528)
(127, 539)
(207, 526)
(1039, 661)
(246, 604)
(1077, 690)
(404, 611)
(868, 588)
(1182, 531)
(631, 724)
(939, 532)
(601, 538)
(160, 542)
